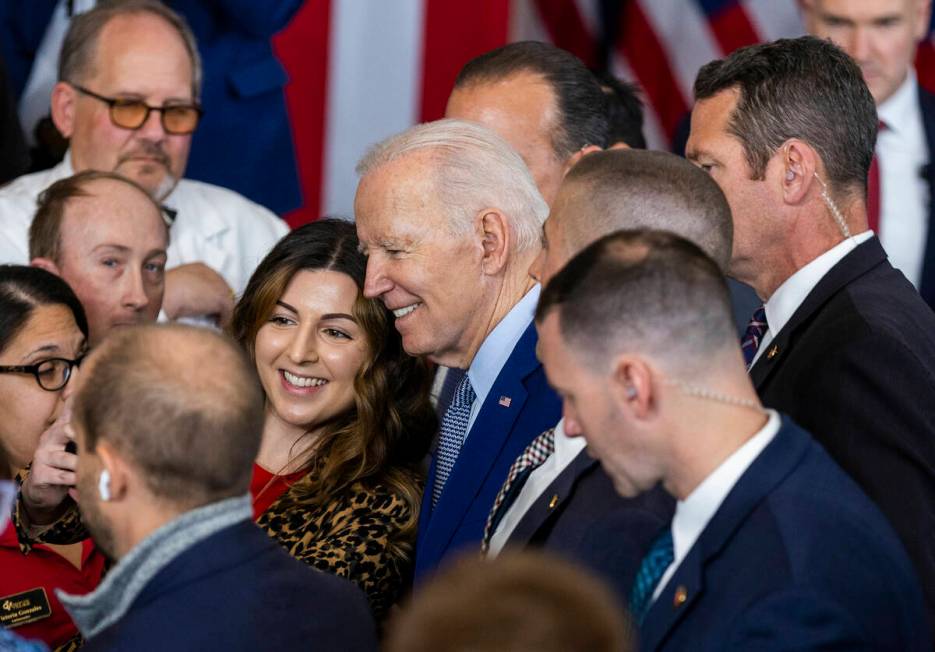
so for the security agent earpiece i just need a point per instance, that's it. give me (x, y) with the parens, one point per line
(103, 485)
(631, 392)
(790, 175)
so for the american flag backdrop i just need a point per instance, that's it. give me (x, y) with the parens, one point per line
(361, 70)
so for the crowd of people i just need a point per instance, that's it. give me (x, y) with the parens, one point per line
(503, 407)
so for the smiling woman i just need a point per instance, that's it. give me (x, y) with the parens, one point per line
(42, 337)
(348, 419)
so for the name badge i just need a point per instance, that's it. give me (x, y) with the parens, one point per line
(24, 608)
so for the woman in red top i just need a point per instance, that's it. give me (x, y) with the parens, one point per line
(42, 339)
(338, 479)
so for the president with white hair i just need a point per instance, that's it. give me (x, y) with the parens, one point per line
(450, 218)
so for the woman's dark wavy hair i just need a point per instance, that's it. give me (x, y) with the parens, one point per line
(385, 437)
(23, 289)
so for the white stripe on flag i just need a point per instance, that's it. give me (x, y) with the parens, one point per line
(774, 19)
(682, 29)
(374, 86)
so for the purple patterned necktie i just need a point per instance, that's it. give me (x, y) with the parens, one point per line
(452, 432)
(529, 460)
(754, 335)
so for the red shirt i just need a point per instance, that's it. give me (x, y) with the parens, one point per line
(45, 569)
(266, 488)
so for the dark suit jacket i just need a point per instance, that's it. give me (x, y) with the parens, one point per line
(581, 517)
(927, 280)
(238, 590)
(498, 436)
(795, 558)
(856, 366)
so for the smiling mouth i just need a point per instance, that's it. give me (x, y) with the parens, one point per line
(399, 313)
(303, 381)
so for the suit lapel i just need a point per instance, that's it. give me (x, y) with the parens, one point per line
(856, 263)
(687, 585)
(484, 442)
(552, 500)
(927, 280)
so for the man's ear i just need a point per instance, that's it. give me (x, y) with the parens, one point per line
(494, 231)
(572, 160)
(631, 385)
(798, 163)
(116, 468)
(64, 97)
(47, 264)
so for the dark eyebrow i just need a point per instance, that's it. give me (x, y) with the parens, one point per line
(338, 315)
(45, 348)
(286, 306)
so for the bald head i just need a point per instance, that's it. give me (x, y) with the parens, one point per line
(181, 404)
(634, 189)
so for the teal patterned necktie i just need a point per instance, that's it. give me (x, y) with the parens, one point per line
(651, 570)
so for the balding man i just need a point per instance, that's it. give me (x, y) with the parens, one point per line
(772, 546)
(564, 501)
(107, 238)
(167, 421)
(128, 101)
(843, 343)
(882, 37)
(450, 218)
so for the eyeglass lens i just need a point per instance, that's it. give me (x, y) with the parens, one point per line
(53, 374)
(131, 114)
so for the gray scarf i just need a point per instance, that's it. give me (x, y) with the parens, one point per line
(108, 603)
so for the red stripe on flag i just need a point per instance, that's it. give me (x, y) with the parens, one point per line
(455, 33)
(639, 45)
(732, 29)
(925, 65)
(568, 31)
(302, 47)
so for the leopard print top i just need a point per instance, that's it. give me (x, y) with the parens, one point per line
(356, 535)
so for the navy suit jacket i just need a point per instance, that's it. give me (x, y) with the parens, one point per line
(927, 280)
(795, 558)
(855, 365)
(239, 590)
(499, 434)
(580, 516)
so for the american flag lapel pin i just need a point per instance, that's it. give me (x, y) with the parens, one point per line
(505, 401)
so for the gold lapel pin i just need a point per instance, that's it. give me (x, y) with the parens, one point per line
(680, 597)
(772, 352)
(554, 501)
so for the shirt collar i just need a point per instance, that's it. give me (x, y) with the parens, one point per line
(497, 346)
(901, 106)
(693, 514)
(792, 293)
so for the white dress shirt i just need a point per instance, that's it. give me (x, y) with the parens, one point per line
(904, 194)
(496, 349)
(693, 514)
(789, 296)
(566, 450)
(214, 225)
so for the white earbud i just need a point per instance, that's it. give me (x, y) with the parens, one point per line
(790, 175)
(631, 392)
(103, 485)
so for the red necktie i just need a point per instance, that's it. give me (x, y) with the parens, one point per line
(873, 188)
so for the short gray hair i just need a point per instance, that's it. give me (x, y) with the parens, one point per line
(474, 168)
(76, 59)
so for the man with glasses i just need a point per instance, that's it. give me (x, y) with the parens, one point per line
(128, 101)
(107, 238)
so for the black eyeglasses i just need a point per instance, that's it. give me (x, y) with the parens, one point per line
(127, 113)
(51, 374)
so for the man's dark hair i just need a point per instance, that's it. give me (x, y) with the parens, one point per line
(642, 291)
(45, 231)
(804, 88)
(579, 99)
(631, 189)
(182, 404)
(624, 111)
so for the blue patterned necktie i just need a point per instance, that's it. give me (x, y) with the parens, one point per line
(652, 568)
(756, 329)
(453, 429)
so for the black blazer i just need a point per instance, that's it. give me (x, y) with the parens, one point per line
(855, 366)
(239, 590)
(581, 517)
(927, 280)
